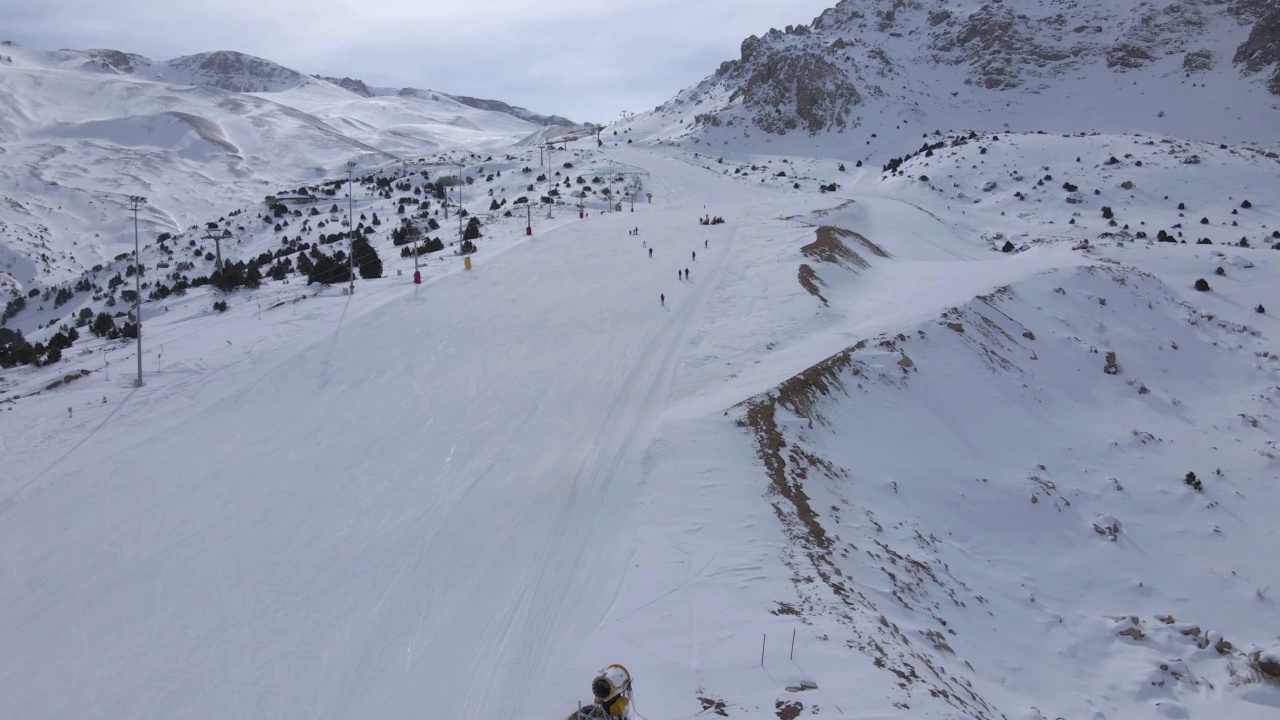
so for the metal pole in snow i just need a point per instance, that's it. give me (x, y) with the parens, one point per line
(136, 204)
(461, 167)
(762, 640)
(549, 196)
(351, 226)
(793, 644)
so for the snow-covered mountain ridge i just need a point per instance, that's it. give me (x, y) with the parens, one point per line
(1014, 64)
(360, 88)
(241, 73)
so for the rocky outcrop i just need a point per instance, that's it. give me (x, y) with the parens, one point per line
(231, 71)
(861, 55)
(523, 114)
(353, 85)
(114, 61)
(1248, 11)
(1164, 30)
(1262, 50)
(1127, 57)
(815, 91)
(1198, 61)
(887, 17)
(997, 43)
(789, 88)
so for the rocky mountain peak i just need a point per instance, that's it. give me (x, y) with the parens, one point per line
(115, 61)
(356, 86)
(819, 77)
(786, 86)
(233, 71)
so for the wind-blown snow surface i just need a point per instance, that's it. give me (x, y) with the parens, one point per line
(464, 498)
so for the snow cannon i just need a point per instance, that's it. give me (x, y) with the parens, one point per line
(612, 695)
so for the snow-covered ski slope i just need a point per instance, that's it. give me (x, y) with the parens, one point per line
(462, 499)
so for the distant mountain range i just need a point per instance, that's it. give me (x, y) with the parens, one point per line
(360, 88)
(241, 73)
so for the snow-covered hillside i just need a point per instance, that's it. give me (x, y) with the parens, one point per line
(967, 411)
(892, 439)
(82, 131)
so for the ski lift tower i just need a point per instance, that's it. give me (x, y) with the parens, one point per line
(550, 197)
(135, 204)
(417, 273)
(217, 244)
(461, 165)
(351, 226)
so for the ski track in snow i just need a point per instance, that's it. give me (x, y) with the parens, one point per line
(462, 499)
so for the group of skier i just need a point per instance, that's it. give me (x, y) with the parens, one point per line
(682, 275)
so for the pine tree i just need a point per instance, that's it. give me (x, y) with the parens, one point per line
(230, 277)
(473, 229)
(366, 258)
(17, 352)
(329, 270)
(102, 325)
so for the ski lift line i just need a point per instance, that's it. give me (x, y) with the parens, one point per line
(222, 318)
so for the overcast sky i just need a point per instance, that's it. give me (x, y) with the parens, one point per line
(585, 59)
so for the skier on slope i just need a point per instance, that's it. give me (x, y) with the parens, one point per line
(662, 300)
